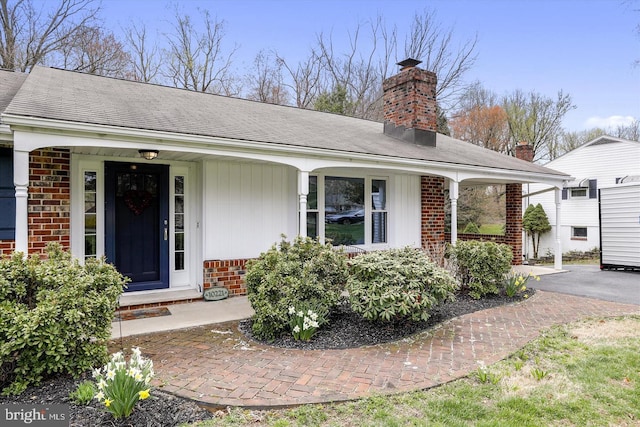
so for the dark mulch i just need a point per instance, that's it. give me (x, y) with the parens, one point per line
(345, 330)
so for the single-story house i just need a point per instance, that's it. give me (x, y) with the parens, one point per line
(603, 162)
(178, 189)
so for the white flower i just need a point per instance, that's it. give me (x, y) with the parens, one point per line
(136, 351)
(95, 373)
(292, 309)
(132, 372)
(111, 374)
(310, 312)
(313, 316)
(296, 329)
(102, 384)
(99, 395)
(147, 379)
(138, 377)
(300, 314)
(314, 324)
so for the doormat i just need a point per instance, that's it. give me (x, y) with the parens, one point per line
(142, 313)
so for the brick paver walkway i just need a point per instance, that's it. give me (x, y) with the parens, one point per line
(218, 365)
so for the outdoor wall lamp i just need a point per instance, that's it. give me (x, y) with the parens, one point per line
(148, 154)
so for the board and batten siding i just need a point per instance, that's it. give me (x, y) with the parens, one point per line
(604, 162)
(404, 213)
(247, 207)
(620, 225)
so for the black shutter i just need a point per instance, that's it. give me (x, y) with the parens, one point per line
(565, 194)
(7, 196)
(593, 188)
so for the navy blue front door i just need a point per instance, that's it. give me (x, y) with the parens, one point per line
(137, 214)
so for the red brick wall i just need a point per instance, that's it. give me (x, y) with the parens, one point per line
(7, 247)
(513, 227)
(49, 198)
(432, 210)
(409, 99)
(227, 274)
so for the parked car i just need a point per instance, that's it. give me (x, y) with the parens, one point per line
(347, 217)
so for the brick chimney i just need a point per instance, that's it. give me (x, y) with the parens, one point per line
(524, 151)
(409, 104)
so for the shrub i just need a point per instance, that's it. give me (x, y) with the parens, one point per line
(290, 274)
(397, 284)
(83, 394)
(481, 266)
(471, 228)
(55, 316)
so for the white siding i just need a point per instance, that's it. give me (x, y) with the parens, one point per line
(604, 162)
(246, 208)
(404, 219)
(620, 216)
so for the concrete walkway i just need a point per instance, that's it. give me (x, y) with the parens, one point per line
(217, 365)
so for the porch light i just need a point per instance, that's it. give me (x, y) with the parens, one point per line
(148, 154)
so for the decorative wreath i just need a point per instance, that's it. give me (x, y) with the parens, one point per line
(137, 200)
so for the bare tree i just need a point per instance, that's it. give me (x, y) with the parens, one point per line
(433, 45)
(197, 61)
(93, 51)
(265, 82)
(146, 57)
(28, 36)
(537, 120)
(305, 79)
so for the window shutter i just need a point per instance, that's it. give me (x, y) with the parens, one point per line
(7, 196)
(565, 194)
(593, 188)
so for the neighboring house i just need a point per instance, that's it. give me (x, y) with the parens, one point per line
(178, 189)
(603, 162)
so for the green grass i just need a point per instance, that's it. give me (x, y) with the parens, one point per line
(592, 378)
(495, 229)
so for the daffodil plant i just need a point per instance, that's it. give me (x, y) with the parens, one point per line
(516, 283)
(121, 384)
(304, 323)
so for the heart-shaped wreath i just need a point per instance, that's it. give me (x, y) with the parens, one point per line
(137, 200)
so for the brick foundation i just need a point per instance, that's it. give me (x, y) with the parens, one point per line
(227, 274)
(432, 211)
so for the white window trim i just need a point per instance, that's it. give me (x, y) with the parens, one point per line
(574, 237)
(586, 193)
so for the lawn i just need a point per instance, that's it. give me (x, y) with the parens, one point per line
(586, 373)
(495, 229)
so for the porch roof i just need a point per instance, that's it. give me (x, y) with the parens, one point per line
(60, 95)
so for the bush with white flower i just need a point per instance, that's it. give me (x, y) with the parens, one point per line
(121, 384)
(304, 322)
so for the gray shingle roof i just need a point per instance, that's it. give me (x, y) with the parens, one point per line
(75, 97)
(10, 82)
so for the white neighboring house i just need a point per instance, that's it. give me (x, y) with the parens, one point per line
(602, 162)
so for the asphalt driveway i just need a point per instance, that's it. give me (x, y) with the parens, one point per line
(590, 281)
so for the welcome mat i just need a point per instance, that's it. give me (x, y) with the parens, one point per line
(142, 313)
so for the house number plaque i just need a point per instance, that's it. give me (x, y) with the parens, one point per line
(216, 293)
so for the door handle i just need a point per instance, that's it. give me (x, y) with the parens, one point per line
(166, 230)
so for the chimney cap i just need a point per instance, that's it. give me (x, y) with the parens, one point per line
(408, 63)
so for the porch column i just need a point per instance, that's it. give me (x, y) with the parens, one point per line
(21, 182)
(557, 253)
(453, 195)
(303, 191)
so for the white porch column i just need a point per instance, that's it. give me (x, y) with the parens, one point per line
(453, 195)
(21, 182)
(303, 191)
(557, 255)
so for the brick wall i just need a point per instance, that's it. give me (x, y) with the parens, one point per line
(432, 210)
(513, 227)
(227, 274)
(410, 99)
(7, 247)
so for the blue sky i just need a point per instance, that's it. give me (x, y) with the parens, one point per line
(584, 47)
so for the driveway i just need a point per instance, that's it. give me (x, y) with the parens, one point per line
(590, 281)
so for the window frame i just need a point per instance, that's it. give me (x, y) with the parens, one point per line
(573, 233)
(580, 197)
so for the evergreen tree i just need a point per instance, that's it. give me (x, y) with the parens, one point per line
(535, 222)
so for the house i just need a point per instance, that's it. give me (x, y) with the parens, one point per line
(602, 162)
(179, 189)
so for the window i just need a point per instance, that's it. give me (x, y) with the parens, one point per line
(378, 211)
(7, 195)
(578, 193)
(312, 208)
(90, 214)
(178, 221)
(344, 210)
(579, 233)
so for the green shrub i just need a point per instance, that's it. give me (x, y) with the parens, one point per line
(290, 274)
(55, 316)
(481, 266)
(397, 284)
(471, 228)
(83, 394)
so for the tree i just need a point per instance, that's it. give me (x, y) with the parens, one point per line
(305, 79)
(266, 82)
(535, 223)
(197, 61)
(146, 59)
(28, 36)
(335, 101)
(536, 119)
(93, 51)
